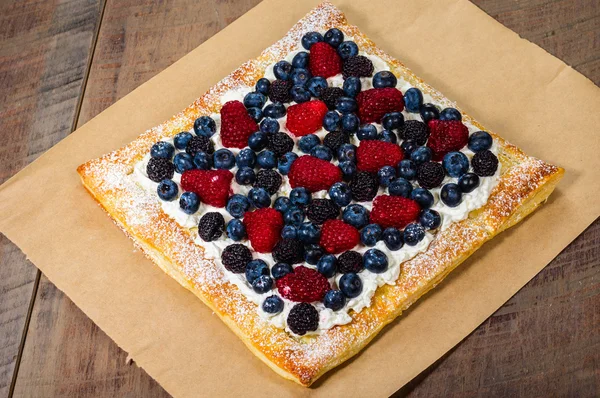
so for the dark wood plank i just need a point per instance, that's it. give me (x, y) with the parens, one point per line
(44, 50)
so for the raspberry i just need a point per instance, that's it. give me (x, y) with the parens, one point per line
(279, 91)
(324, 61)
(415, 130)
(358, 66)
(446, 136)
(350, 261)
(199, 143)
(364, 186)
(329, 95)
(335, 140)
(235, 257)
(159, 169)
(304, 285)
(313, 173)
(268, 179)
(212, 186)
(263, 227)
(303, 317)
(372, 155)
(289, 251)
(484, 163)
(211, 226)
(305, 118)
(373, 104)
(337, 236)
(321, 210)
(236, 125)
(394, 211)
(430, 174)
(280, 143)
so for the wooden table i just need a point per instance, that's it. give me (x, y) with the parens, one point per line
(61, 63)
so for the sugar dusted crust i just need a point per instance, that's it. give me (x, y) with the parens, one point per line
(525, 183)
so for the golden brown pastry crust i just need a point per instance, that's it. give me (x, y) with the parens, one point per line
(524, 184)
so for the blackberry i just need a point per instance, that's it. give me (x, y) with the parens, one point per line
(329, 95)
(350, 261)
(335, 140)
(484, 163)
(268, 179)
(414, 130)
(288, 251)
(430, 174)
(280, 91)
(280, 143)
(235, 257)
(199, 143)
(303, 318)
(211, 226)
(321, 210)
(364, 186)
(358, 66)
(159, 169)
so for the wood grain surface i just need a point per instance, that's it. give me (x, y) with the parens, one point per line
(544, 342)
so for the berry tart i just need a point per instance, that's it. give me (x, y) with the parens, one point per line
(315, 193)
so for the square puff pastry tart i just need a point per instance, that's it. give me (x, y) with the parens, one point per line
(521, 185)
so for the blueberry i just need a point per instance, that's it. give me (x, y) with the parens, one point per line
(413, 234)
(181, 140)
(269, 126)
(162, 149)
(236, 230)
(351, 285)
(205, 125)
(282, 70)
(348, 169)
(189, 202)
(334, 37)
(282, 204)
(262, 86)
(313, 253)
(340, 194)
(280, 270)
(183, 161)
(480, 141)
(294, 215)
(272, 305)
(300, 196)
(275, 110)
(309, 233)
(254, 100)
(334, 300)
(322, 152)
(430, 219)
(407, 169)
(223, 159)
(456, 164)
(256, 268)
(384, 78)
(300, 94)
(346, 105)
(386, 175)
(375, 261)
(245, 176)
(347, 49)
(429, 112)
(300, 60)
(258, 141)
(347, 152)
(285, 162)
(327, 265)
(289, 232)
(308, 142)
(392, 238)
(167, 190)
(423, 197)
(245, 158)
(300, 76)
(367, 132)
(387, 136)
(350, 123)
(356, 215)
(370, 234)
(256, 114)
(237, 205)
(352, 86)
(262, 284)
(332, 121)
(266, 159)
(451, 194)
(450, 114)
(400, 187)
(311, 38)
(203, 161)
(468, 182)
(259, 197)
(408, 146)
(421, 155)
(392, 120)
(315, 85)
(413, 99)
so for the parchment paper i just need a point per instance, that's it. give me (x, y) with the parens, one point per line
(510, 85)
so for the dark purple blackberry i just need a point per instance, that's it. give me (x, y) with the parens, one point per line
(430, 174)
(414, 130)
(268, 179)
(303, 318)
(280, 91)
(484, 163)
(280, 143)
(235, 257)
(329, 95)
(289, 251)
(364, 186)
(199, 143)
(211, 226)
(321, 210)
(350, 261)
(159, 169)
(358, 66)
(335, 140)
